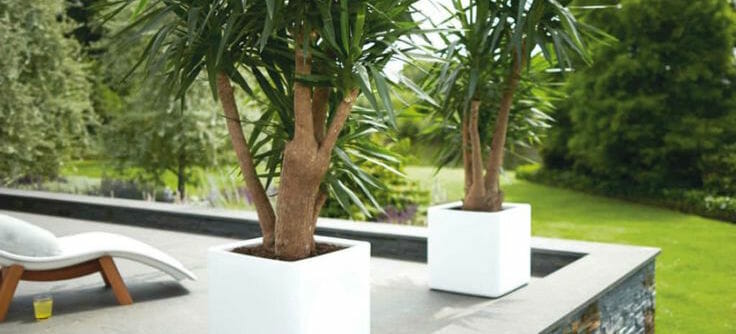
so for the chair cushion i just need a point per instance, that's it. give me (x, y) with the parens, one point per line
(22, 238)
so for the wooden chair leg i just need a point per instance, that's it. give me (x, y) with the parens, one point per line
(11, 277)
(104, 278)
(112, 276)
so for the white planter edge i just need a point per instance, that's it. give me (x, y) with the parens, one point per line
(479, 253)
(329, 293)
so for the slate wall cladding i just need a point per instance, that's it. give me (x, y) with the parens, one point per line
(627, 308)
(382, 245)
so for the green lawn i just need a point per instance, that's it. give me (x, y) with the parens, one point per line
(87, 168)
(696, 272)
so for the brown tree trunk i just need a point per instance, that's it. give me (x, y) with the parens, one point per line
(320, 103)
(301, 171)
(338, 121)
(475, 196)
(266, 217)
(300, 199)
(301, 176)
(495, 160)
(318, 204)
(467, 153)
(181, 178)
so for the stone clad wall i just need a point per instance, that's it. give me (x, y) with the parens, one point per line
(627, 308)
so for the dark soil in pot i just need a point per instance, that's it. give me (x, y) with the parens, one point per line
(260, 251)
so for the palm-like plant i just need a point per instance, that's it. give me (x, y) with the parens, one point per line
(311, 59)
(487, 55)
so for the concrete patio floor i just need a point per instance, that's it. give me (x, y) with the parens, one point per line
(401, 302)
(601, 275)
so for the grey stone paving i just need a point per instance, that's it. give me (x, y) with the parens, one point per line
(400, 299)
(401, 303)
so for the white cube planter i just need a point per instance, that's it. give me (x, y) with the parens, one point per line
(329, 293)
(479, 253)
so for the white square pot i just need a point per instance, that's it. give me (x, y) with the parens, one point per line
(329, 293)
(479, 253)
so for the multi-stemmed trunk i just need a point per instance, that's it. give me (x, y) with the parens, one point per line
(289, 230)
(483, 193)
(306, 160)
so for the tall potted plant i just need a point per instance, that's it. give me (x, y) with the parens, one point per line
(481, 246)
(311, 60)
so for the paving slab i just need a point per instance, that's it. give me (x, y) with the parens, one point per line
(400, 299)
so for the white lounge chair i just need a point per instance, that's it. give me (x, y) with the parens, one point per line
(81, 255)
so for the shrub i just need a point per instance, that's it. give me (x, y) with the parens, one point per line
(527, 171)
(694, 201)
(719, 171)
(120, 189)
(403, 201)
(68, 185)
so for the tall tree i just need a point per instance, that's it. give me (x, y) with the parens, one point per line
(44, 102)
(487, 59)
(154, 135)
(311, 59)
(656, 110)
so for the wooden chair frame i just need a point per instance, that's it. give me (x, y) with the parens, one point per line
(12, 275)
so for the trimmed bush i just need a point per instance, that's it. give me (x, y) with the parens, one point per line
(698, 202)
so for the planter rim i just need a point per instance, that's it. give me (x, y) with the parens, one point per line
(452, 205)
(348, 245)
(289, 297)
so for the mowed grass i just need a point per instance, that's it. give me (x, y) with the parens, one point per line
(696, 271)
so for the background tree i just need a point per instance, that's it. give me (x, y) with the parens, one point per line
(142, 133)
(311, 59)
(153, 135)
(44, 103)
(656, 110)
(487, 57)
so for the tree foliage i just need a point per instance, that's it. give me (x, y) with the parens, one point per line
(145, 133)
(311, 60)
(44, 101)
(153, 135)
(657, 109)
(255, 41)
(488, 71)
(401, 200)
(528, 123)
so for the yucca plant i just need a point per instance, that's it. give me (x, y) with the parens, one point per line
(487, 58)
(311, 59)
